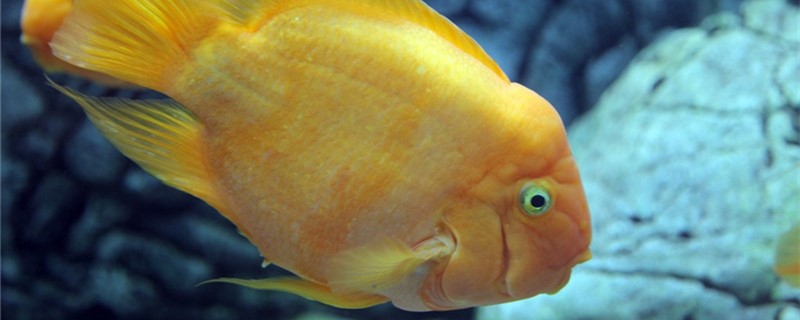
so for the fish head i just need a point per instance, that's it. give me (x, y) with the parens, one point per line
(548, 232)
(520, 230)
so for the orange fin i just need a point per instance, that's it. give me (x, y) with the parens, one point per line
(787, 256)
(253, 13)
(309, 290)
(381, 265)
(40, 20)
(162, 136)
(373, 267)
(138, 41)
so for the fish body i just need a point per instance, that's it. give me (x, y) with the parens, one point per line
(369, 147)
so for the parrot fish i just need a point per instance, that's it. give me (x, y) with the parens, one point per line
(40, 20)
(787, 256)
(370, 147)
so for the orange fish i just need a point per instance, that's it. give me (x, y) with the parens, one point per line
(368, 146)
(40, 20)
(787, 256)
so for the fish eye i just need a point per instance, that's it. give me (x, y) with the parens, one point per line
(534, 199)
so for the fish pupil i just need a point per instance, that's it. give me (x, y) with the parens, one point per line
(537, 201)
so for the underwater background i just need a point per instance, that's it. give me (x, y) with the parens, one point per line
(684, 117)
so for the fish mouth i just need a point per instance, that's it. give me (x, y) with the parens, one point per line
(581, 258)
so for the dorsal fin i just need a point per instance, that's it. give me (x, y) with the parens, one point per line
(421, 14)
(253, 13)
(141, 41)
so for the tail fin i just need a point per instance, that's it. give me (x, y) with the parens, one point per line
(139, 41)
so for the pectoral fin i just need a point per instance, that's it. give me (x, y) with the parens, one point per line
(381, 265)
(309, 290)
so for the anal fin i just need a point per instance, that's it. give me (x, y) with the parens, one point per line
(309, 290)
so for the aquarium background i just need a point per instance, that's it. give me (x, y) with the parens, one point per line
(683, 116)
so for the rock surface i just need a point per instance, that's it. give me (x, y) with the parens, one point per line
(88, 235)
(691, 163)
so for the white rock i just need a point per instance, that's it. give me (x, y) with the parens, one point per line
(691, 164)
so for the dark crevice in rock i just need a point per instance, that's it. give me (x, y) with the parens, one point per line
(637, 218)
(795, 119)
(685, 235)
(768, 152)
